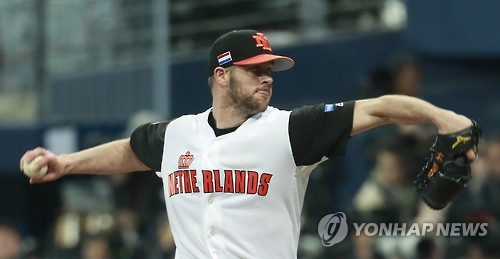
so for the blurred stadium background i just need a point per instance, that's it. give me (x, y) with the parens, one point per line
(74, 74)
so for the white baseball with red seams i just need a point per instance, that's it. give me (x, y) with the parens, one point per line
(31, 171)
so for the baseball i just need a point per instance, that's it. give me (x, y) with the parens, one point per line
(30, 170)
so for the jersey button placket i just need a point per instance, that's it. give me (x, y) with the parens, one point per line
(212, 215)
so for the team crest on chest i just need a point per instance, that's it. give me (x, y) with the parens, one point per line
(185, 160)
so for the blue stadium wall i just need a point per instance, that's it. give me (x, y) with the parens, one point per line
(457, 42)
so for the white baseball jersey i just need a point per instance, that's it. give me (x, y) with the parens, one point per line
(238, 193)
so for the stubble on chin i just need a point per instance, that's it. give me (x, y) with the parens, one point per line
(246, 104)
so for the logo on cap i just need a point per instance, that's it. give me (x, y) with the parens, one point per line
(224, 58)
(262, 41)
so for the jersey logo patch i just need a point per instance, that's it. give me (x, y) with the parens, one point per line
(329, 107)
(185, 160)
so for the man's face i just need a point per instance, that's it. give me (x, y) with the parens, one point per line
(250, 88)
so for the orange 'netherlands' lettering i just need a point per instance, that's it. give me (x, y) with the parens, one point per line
(253, 180)
(194, 181)
(170, 184)
(218, 187)
(234, 181)
(187, 181)
(240, 181)
(208, 185)
(265, 179)
(228, 181)
(176, 182)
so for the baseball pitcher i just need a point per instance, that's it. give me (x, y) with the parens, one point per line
(235, 175)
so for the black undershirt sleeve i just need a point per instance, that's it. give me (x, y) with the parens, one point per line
(147, 143)
(320, 130)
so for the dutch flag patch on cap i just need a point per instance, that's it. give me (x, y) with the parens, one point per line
(224, 58)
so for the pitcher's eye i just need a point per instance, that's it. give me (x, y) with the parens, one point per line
(269, 72)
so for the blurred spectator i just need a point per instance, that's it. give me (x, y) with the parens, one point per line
(479, 204)
(393, 155)
(406, 75)
(401, 75)
(10, 241)
(387, 195)
(377, 82)
(96, 247)
(427, 249)
(125, 239)
(492, 186)
(490, 193)
(111, 214)
(484, 249)
(473, 205)
(162, 246)
(364, 247)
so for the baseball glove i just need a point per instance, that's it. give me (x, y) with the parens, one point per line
(447, 172)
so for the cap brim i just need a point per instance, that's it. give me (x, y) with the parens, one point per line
(280, 63)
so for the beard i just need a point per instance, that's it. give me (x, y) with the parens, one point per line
(245, 102)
